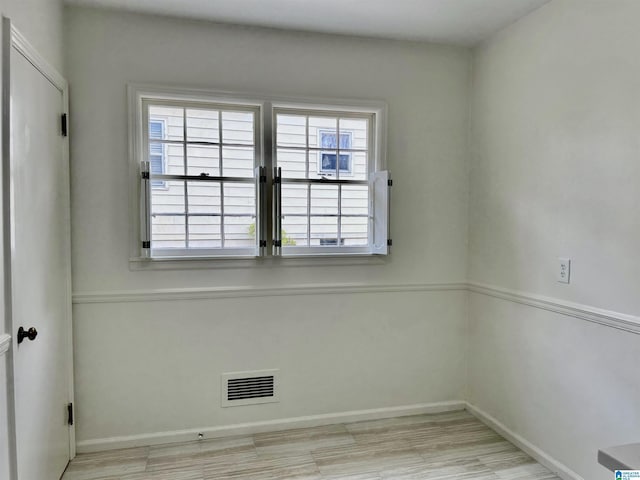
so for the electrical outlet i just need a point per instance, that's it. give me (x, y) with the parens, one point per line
(564, 270)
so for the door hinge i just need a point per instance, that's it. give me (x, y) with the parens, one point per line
(146, 244)
(63, 125)
(389, 242)
(145, 175)
(263, 243)
(70, 414)
(277, 243)
(390, 183)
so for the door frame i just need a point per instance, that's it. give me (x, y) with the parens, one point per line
(12, 39)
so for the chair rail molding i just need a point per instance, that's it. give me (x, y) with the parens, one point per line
(620, 321)
(589, 313)
(172, 294)
(5, 343)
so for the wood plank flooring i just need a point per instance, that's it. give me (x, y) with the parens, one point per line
(451, 446)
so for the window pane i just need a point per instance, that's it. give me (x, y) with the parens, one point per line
(319, 125)
(323, 228)
(239, 232)
(237, 127)
(291, 130)
(204, 197)
(355, 200)
(294, 199)
(324, 164)
(316, 160)
(294, 231)
(358, 130)
(354, 230)
(238, 162)
(168, 199)
(239, 199)
(328, 163)
(329, 139)
(156, 129)
(359, 168)
(331, 242)
(202, 125)
(203, 159)
(292, 163)
(173, 158)
(157, 164)
(167, 231)
(204, 232)
(324, 199)
(156, 158)
(171, 119)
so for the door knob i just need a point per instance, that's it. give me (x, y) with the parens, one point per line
(31, 334)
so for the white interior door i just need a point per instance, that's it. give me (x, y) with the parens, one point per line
(40, 274)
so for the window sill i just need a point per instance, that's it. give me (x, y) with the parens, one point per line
(318, 260)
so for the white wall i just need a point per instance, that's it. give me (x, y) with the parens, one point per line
(41, 23)
(154, 366)
(555, 172)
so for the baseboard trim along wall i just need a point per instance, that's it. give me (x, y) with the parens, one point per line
(114, 443)
(536, 453)
(160, 438)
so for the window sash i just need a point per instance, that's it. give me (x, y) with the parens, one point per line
(339, 176)
(153, 179)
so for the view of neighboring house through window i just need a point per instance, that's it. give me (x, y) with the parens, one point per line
(328, 141)
(156, 150)
(213, 169)
(325, 201)
(203, 158)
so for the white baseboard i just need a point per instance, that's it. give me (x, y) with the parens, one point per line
(113, 443)
(539, 455)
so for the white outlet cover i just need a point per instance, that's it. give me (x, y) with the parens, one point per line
(564, 270)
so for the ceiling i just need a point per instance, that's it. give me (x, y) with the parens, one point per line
(461, 22)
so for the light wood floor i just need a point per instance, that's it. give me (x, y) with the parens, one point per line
(452, 446)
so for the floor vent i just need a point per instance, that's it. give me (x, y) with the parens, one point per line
(249, 388)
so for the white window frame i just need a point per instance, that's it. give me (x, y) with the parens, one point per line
(375, 163)
(265, 157)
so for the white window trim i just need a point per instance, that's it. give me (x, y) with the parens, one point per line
(136, 93)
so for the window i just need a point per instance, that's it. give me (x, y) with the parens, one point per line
(325, 208)
(327, 159)
(204, 156)
(208, 183)
(331, 241)
(156, 151)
